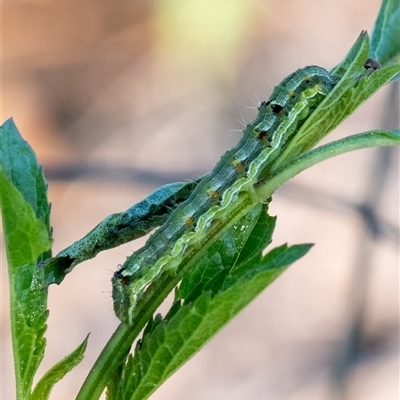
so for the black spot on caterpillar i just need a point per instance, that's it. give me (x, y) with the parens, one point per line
(371, 64)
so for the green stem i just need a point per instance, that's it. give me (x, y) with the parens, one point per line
(21, 394)
(117, 348)
(112, 355)
(355, 142)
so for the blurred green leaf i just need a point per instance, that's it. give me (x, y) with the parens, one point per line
(203, 35)
(385, 39)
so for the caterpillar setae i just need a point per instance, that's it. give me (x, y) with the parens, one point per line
(238, 170)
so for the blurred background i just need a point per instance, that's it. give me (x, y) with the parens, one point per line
(119, 97)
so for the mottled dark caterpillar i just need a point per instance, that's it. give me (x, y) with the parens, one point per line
(238, 171)
(120, 228)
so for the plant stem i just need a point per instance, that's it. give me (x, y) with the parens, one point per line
(308, 159)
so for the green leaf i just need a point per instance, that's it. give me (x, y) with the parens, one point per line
(26, 237)
(25, 215)
(385, 40)
(354, 58)
(112, 386)
(220, 257)
(58, 371)
(222, 284)
(260, 237)
(22, 169)
(243, 242)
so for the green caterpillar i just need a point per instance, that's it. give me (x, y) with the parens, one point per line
(238, 171)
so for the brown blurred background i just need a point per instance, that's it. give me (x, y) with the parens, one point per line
(118, 97)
